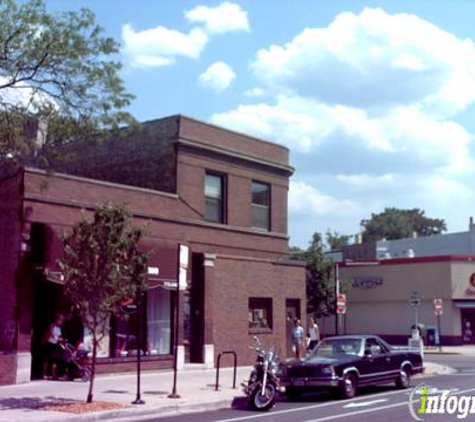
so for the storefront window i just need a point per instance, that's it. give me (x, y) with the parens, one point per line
(159, 322)
(120, 338)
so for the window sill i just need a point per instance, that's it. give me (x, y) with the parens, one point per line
(260, 330)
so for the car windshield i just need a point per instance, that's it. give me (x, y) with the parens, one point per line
(339, 346)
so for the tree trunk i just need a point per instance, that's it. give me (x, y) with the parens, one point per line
(93, 365)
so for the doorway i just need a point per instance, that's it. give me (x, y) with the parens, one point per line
(292, 311)
(194, 311)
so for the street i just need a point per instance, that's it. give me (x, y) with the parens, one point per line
(371, 404)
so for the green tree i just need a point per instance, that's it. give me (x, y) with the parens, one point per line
(394, 223)
(102, 266)
(320, 280)
(336, 241)
(56, 69)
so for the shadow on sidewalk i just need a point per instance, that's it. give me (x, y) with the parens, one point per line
(32, 402)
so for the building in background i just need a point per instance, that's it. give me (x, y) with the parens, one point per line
(381, 278)
(220, 193)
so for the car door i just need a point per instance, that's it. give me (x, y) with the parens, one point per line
(375, 362)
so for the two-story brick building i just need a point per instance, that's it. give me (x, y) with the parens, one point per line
(221, 193)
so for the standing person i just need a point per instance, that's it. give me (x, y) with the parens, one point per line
(53, 350)
(313, 333)
(298, 337)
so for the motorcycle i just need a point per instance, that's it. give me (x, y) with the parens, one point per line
(261, 388)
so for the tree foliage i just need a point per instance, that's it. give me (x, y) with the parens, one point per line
(336, 241)
(102, 266)
(320, 279)
(56, 69)
(394, 223)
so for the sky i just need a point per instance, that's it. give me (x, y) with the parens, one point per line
(374, 99)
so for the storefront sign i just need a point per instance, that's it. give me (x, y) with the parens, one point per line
(366, 283)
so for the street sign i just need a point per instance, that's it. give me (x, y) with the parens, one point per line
(438, 307)
(341, 303)
(415, 299)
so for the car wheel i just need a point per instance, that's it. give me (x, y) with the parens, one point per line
(403, 381)
(293, 393)
(348, 386)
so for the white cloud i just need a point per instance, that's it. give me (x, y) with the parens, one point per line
(254, 92)
(370, 108)
(305, 199)
(374, 59)
(218, 76)
(366, 181)
(159, 46)
(224, 18)
(24, 96)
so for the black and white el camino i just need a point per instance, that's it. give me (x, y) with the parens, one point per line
(345, 363)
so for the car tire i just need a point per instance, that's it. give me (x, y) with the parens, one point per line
(403, 381)
(293, 393)
(348, 386)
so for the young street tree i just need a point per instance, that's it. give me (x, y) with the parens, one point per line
(394, 223)
(102, 266)
(56, 69)
(320, 280)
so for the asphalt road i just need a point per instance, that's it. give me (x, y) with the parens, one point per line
(377, 404)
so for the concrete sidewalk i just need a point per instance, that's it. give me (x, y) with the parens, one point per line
(195, 386)
(466, 350)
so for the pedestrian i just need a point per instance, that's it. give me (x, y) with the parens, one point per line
(53, 352)
(313, 334)
(298, 337)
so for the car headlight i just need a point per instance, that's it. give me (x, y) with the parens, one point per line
(328, 370)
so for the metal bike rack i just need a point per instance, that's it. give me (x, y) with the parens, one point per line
(229, 352)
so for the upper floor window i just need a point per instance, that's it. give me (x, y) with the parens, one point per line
(260, 205)
(214, 196)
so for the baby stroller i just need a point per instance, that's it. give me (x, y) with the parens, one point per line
(77, 365)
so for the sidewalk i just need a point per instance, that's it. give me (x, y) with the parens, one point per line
(467, 350)
(195, 386)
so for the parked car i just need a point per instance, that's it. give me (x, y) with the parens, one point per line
(345, 363)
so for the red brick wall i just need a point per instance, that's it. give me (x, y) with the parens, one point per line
(217, 136)
(7, 369)
(10, 243)
(192, 167)
(235, 281)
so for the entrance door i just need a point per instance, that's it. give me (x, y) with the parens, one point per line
(196, 309)
(47, 298)
(468, 326)
(292, 307)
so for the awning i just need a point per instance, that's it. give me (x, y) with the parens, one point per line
(162, 262)
(162, 258)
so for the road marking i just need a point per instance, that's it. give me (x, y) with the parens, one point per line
(356, 412)
(364, 403)
(315, 406)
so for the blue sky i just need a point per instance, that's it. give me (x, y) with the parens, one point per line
(375, 99)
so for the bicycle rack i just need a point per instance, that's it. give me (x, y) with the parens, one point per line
(228, 352)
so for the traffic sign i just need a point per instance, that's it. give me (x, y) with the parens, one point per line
(415, 299)
(438, 307)
(341, 303)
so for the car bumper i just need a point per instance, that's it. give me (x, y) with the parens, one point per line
(310, 382)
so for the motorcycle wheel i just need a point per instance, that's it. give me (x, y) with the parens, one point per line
(263, 402)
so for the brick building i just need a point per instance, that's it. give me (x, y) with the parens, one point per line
(221, 193)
